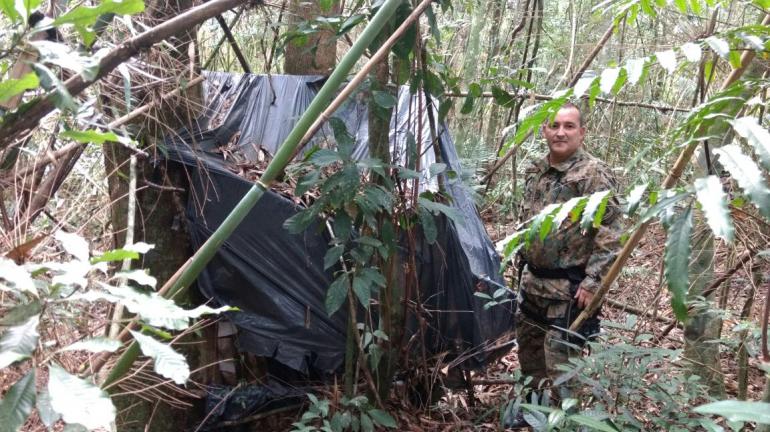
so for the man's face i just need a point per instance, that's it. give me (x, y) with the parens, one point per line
(564, 135)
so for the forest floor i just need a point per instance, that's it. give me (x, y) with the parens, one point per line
(639, 292)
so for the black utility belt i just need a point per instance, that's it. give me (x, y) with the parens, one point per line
(574, 274)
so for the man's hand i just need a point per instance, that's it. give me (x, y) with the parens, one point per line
(583, 298)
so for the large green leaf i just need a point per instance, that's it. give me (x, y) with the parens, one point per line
(635, 69)
(153, 308)
(89, 136)
(692, 52)
(17, 275)
(45, 410)
(8, 9)
(594, 209)
(565, 210)
(18, 403)
(18, 343)
(747, 174)
(337, 293)
(87, 15)
(20, 313)
(734, 410)
(74, 244)
(79, 401)
(592, 423)
(168, 363)
(712, 198)
(634, 198)
(382, 418)
(65, 57)
(677, 260)
(757, 136)
(11, 87)
(608, 78)
(667, 59)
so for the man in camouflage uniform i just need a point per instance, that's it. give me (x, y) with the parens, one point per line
(559, 275)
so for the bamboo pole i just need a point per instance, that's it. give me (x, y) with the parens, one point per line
(670, 181)
(198, 261)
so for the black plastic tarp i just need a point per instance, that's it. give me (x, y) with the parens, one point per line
(276, 278)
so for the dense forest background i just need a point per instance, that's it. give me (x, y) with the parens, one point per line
(94, 244)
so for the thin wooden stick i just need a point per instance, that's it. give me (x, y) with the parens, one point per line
(535, 96)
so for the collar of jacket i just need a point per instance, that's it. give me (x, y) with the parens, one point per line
(543, 165)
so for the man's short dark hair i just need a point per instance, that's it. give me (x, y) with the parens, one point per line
(580, 113)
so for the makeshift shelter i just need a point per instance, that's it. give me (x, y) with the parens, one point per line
(276, 278)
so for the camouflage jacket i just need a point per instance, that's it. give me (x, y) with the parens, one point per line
(569, 246)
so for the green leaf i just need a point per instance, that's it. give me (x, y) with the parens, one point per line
(634, 198)
(436, 208)
(428, 225)
(154, 309)
(17, 276)
(384, 99)
(583, 84)
(95, 345)
(20, 313)
(475, 90)
(89, 136)
(437, 168)
(677, 260)
(362, 289)
(74, 244)
(44, 409)
(712, 198)
(681, 5)
(168, 363)
(692, 52)
(757, 136)
(300, 221)
(324, 157)
(115, 255)
(667, 59)
(608, 79)
(594, 209)
(79, 401)
(747, 174)
(332, 256)
(11, 87)
(366, 423)
(502, 97)
(720, 46)
(18, 343)
(7, 7)
(50, 81)
(382, 418)
(139, 276)
(18, 403)
(26, 7)
(734, 410)
(635, 69)
(336, 294)
(467, 107)
(65, 57)
(87, 15)
(591, 423)
(565, 210)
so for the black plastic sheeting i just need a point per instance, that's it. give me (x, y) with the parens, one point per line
(276, 278)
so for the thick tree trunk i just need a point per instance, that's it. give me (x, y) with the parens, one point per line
(317, 55)
(160, 220)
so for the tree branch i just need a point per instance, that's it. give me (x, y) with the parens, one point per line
(21, 121)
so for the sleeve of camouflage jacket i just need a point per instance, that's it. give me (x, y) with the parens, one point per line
(607, 239)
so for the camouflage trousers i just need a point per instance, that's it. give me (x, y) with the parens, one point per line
(541, 347)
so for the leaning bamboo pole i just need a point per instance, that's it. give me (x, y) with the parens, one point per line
(670, 181)
(193, 267)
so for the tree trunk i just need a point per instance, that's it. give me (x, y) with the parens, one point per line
(160, 218)
(318, 54)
